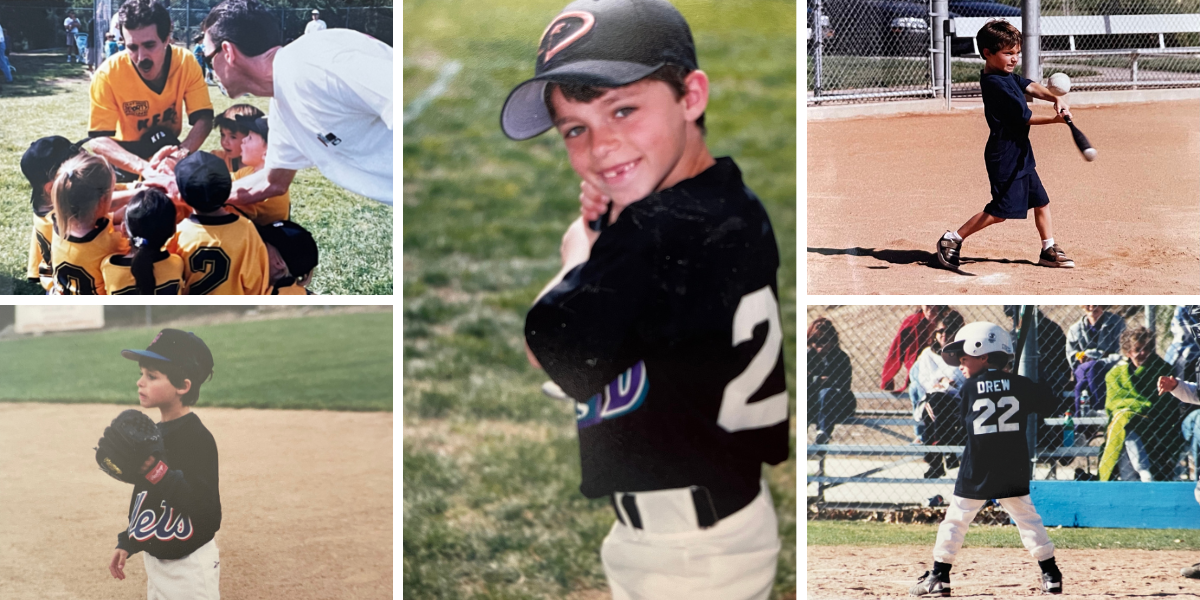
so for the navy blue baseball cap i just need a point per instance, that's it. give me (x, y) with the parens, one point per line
(42, 160)
(203, 181)
(601, 43)
(295, 246)
(182, 349)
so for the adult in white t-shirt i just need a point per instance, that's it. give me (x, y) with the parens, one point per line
(331, 100)
(316, 24)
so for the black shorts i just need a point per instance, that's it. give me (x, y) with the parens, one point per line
(1013, 199)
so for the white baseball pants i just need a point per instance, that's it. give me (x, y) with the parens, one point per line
(732, 560)
(962, 511)
(196, 576)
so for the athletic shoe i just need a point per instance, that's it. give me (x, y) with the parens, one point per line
(1051, 584)
(936, 469)
(929, 584)
(947, 252)
(1055, 257)
(1192, 572)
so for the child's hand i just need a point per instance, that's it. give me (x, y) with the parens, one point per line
(1061, 108)
(592, 204)
(1166, 384)
(117, 565)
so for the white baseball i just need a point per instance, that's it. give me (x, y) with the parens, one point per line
(1059, 84)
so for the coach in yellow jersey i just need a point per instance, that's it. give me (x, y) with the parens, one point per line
(138, 96)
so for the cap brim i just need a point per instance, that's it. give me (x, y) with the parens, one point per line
(525, 115)
(952, 351)
(142, 354)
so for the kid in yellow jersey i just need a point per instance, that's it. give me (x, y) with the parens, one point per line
(148, 269)
(83, 235)
(254, 155)
(222, 253)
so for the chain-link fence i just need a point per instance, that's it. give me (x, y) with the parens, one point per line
(30, 26)
(878, 396)
(864, 50)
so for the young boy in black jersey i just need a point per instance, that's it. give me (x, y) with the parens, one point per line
(663, 323)
(1015, 184)
(175, 516)
(995, 463)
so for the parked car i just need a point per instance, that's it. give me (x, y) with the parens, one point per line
(961, 46)
(878, 27)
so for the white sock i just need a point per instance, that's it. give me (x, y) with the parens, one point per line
(953, 236)
(1047, 243)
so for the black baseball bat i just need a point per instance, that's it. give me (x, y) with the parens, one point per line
(1081, 141)
(1026, 318)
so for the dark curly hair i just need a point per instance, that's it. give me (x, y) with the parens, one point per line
(136, 14)
(821, 332)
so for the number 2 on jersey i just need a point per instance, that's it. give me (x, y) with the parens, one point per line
(737, 413)
(989, 409)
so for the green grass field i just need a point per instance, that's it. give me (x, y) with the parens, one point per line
(858, 533)
(49, 97)
(491, 467)
(335, 362)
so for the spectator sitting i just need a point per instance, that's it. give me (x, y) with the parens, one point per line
(829, 373)
(934, 389)
(1143, 432)
(1095, 336)
(916, 332)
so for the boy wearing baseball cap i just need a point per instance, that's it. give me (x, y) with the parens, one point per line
(222, 253)
(292, 256)
(40, 164)
(994, 407)
(663, 323)
(175, 510)
(254, 156)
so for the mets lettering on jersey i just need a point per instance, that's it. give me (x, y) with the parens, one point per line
(146, 524)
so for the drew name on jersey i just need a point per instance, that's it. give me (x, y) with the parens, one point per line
(145, 524)
(987, 386)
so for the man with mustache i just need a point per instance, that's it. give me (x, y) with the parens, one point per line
(138, 97)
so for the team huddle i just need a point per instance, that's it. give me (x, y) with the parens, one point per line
(134, 209)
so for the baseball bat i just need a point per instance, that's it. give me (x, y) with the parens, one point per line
(1081, 141)
(1026, 316)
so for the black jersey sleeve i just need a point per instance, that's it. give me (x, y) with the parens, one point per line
(584, 330)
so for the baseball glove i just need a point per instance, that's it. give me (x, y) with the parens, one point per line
(127, 443)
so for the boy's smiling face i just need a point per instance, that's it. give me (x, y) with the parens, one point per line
(1003, 60)
(155, 389)
(628, 142)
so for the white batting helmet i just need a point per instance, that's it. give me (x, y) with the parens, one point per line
(977, 339)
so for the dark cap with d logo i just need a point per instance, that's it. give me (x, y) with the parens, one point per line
(182, 349)
(601, 43)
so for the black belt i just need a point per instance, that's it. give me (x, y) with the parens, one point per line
(710, 507)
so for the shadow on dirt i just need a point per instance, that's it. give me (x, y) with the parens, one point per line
(895, 257)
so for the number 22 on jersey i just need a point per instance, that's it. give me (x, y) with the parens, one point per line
(737, 413)
(988, 407)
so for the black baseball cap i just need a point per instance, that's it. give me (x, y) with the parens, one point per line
(602, 43)
(258, 125)
(294, 243)
(203, 181)
(42, 160)
(182, 349)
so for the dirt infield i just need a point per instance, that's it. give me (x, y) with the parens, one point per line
(881, 191)
(306, 498)
(837, 572)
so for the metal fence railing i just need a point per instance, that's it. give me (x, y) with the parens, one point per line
(864, 50)
(866, 450)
